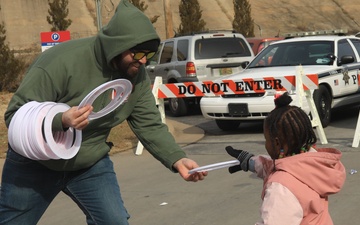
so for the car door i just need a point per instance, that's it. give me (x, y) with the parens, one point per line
(152, 63)
(347, 77)
(181, 59)
(356, 43)
(164, 64)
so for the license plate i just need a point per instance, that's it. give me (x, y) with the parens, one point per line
(225, 71)
(238, 109)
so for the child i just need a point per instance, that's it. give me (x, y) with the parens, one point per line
(297, 177)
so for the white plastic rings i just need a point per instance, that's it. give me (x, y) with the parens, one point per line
(32, 138)
(65, 144)
(30, 131)
(122, 89)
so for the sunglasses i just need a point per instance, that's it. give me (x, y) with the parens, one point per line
(138, 55)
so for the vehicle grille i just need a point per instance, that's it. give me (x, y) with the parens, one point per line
(227, 115)
(247, 95)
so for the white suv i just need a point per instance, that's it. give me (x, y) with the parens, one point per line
(198, 57)
(335, 59)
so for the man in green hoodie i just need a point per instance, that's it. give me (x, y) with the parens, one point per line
(66, 73)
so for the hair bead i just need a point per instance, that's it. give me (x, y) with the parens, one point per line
(282, 154)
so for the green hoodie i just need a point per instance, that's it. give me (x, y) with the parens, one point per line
(67, 72)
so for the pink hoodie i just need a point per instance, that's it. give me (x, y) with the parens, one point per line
(297, 192)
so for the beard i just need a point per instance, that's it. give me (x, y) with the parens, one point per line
(127, 69)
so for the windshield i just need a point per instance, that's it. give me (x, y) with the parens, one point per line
(210, 48)
(295, 53)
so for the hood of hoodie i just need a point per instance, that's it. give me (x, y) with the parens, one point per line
(126, 29)
(322, 171)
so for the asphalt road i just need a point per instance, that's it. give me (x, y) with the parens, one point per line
(155, 196)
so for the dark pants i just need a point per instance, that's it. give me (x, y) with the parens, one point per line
(28, 188)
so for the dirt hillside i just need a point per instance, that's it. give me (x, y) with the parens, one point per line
(24, 19)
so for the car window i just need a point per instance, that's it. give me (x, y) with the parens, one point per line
(182, 50)
(356, 43)
(167, 52)
(344, 48)
(267, 58)
(209, 48)
(295, 53)
(318, 50)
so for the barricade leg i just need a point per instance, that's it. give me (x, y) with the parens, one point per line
(356, 140)
(160, 104)
(300, 93)
(316, 119)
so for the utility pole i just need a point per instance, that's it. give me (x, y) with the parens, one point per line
(168, 19)
(98, 14)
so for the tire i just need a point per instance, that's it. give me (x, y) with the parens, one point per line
(228, 125)
(178, 106)
(322, 99)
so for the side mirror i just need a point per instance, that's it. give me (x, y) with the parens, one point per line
(244, 64)
(150, 68)
(345, 60)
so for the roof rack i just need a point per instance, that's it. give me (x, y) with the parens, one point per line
(339, 32)
(206, 32)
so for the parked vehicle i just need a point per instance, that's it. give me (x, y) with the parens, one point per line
(259, 43)
(198, 57)
(335, 59)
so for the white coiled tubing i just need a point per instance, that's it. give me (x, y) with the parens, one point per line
(30, 131)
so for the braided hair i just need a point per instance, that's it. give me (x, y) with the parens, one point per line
(290, 125)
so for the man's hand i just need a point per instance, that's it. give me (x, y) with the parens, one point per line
(76, 118)
(184, 165)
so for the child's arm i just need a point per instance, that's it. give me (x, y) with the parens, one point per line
(262, 165)
(280, 206)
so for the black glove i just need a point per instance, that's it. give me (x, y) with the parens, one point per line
(242, 156)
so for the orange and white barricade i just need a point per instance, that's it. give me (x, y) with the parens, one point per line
(302, 84)
(302, 90)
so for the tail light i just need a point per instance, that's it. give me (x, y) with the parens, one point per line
(190, 69)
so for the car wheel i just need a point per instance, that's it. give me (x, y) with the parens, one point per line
(322, 100)
(178, 106)
(228, 125)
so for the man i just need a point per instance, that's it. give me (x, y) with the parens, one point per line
(66, 73)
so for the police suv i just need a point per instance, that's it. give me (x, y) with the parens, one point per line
(334, 58)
